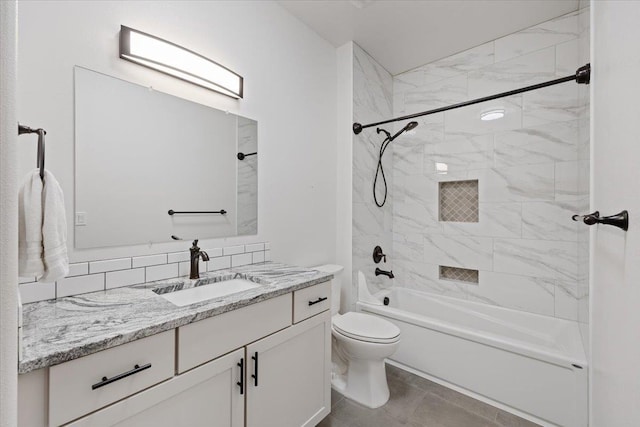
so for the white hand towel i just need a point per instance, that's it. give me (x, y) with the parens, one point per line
(54, 230)
(30, 250)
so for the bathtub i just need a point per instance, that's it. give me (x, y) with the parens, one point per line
(533, 366)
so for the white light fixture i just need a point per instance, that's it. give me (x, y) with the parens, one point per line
(493, 114)
(169, 58)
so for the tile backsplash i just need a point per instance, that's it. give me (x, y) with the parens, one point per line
(91, 276)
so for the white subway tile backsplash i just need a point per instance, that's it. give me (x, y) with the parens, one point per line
(241, 259)
(37, 291)
(258, 257)
(184, 268)
(219, 263)
(116, 279)
(109, 265)
(233, 250)
(145, 261)
(255, 247)
(79, 285)
(178, 257)
(78, 269)
(214, 252)
(267, 245)
(159, 272)
(91, 276)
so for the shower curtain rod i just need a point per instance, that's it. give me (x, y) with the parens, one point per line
(582, 76)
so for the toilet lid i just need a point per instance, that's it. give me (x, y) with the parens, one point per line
(366, 327)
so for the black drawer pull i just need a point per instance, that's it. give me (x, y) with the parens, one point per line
(241, 382)
(106, 380)
(255, 369)
(317, 301)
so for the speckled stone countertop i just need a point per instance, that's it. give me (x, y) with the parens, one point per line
(60, 330)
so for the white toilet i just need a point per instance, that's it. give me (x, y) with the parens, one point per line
(361, 342)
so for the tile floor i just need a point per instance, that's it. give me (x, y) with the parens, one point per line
(417, 402)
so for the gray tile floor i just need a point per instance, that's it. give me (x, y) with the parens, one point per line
(417, 402)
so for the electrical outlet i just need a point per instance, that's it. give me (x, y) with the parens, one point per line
(81, 218)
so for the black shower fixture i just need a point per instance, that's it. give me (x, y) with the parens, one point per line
(380, 170)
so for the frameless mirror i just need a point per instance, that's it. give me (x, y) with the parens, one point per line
(141, 154)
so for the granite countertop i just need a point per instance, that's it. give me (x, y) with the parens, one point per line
(57, 331)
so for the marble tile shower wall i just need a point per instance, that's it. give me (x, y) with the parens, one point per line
(372, 101)
(532, 168)
(92, 276)
(247, 178)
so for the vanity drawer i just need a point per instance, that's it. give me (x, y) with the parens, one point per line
(310, 301)
(208, 339)
(78, 387)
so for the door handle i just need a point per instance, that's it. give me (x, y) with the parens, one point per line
(241, 382)
(255, 369)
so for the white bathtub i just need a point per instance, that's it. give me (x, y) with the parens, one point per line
(532, 365)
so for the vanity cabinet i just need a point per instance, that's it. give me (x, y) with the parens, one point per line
(264, 365)
(289, 376)
(207, 396)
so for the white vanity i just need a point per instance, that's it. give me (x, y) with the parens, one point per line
(259, 358)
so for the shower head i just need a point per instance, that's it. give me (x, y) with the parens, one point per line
(409, 126)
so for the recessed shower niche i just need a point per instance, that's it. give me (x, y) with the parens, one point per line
(458, 201)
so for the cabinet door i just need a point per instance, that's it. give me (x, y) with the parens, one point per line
(207, 396)
(293, 368)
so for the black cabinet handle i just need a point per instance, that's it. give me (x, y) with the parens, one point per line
(319, 300)
(255, 369)
(241, 382)
(106, 380)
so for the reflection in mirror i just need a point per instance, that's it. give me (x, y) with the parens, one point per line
(141, 153)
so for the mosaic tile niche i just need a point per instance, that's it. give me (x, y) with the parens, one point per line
(459, 201)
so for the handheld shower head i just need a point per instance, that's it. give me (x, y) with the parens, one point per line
(409, 126)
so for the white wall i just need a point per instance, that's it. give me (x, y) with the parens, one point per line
(290, 89)
(615, 286)
(8, 217)
(344, 160)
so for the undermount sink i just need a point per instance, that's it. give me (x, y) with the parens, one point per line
(210, 291)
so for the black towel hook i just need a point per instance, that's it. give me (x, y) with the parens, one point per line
(620, 220)
(41, 133)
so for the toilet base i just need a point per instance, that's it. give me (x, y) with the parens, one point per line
(365, 382)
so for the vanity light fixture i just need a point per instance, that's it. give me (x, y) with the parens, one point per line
(169, 58)
(493, 114)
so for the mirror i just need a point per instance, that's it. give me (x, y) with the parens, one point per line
(141, 153)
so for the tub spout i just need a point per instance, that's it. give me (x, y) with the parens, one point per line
(389, 274)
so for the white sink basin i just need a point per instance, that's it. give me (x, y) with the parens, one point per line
(210, 291)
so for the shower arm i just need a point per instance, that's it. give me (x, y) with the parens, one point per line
(582, 76)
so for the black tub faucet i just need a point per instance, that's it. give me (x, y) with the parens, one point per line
(389, 274)
(196, 254)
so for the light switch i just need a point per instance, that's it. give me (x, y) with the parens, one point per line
(81, 218)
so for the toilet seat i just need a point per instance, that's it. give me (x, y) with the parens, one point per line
(365, 327)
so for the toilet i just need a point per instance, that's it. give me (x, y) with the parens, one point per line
(360, 344)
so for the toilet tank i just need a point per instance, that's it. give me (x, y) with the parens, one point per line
(336, 284)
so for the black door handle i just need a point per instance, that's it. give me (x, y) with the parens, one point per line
(106, 380)
(241, 382)
(320, 299)
(255, 369)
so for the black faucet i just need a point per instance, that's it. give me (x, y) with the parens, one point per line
(389, 274)
(196, 254)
